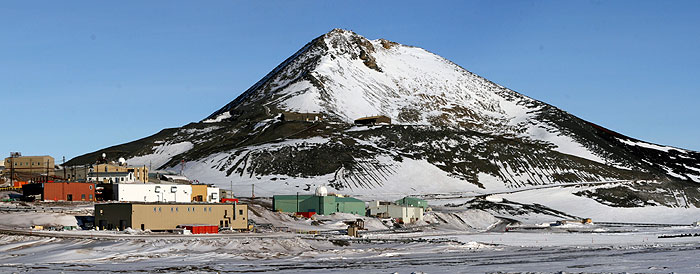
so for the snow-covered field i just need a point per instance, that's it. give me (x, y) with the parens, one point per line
(468, 253)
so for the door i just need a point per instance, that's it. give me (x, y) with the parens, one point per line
(122, 224)
(70, 197)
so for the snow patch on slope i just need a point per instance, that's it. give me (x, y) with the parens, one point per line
(648, 145)
(219, 118)
(161, 154)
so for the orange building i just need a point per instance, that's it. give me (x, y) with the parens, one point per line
(69, 191)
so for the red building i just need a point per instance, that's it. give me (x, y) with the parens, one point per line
(68, 191)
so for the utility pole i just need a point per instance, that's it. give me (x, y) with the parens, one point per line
(47, 171)
(12, 170)
(253, 192)
(64, 167)
(297, 201)
(230, 195)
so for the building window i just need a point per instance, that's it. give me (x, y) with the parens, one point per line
(210, 209)
(240, 212)
(154, 209)
(171, 209)
(176, 209)
(90, 187)
(159, 209)
(90, 197)
(82, 196)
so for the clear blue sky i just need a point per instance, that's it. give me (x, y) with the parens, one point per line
(77, 76)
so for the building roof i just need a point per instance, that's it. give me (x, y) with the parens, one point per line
(348, 199)
(371, 117)
(291, 197)
(105, 174)
(411, 199)
(169, 203)
(306, 196)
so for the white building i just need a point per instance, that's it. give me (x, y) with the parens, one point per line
(212, 194)
(153, 193)
(112, 177)
(405, 214)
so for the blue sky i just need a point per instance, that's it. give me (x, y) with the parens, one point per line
(77, 76)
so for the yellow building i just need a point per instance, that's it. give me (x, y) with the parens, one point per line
(30, 166)
(199, 193)
(167, 216)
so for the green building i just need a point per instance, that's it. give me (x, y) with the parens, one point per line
(412, 201)
(322, 205)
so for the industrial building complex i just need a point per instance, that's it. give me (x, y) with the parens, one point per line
(129, 197)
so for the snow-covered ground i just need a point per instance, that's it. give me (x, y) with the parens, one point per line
(471, 253)
(447, 241)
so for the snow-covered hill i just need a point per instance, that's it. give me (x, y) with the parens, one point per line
(452, 131)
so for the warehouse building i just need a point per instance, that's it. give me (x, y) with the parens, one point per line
(59, 191)
(168, 216)
(321, 203)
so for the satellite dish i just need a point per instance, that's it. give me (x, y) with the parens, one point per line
(321, 191)
(104, 155)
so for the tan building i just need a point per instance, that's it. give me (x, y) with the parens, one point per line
(167, 216)
(30, 166)
(81, 173)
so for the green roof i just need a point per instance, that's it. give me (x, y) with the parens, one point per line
(348, 199)
(291, 197)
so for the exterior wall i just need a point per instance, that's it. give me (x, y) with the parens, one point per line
(213, 194)
(153, 193)
(407, 214)
(349, 205)
(31, 165)
(167, 216)
(199, 193)
(67, 191)
(297, 116)
(322, 205)
(112, 177)
(113, 216)
(288, 203)
(34, 191)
